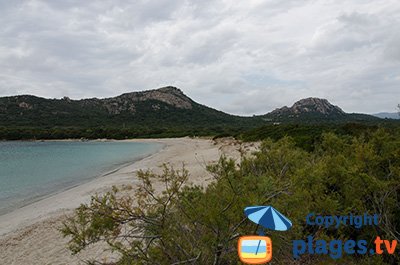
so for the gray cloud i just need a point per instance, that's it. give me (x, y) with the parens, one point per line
(244, 57)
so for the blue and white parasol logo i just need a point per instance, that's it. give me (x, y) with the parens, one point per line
(268, 217)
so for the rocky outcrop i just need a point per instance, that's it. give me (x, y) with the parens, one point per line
(310, 106)
(170, 95)
(127, 102)
(24, 105)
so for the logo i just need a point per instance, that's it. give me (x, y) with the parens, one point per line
(258, 249)
(255, 249)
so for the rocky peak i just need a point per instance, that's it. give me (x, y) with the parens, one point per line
(315, 105)
(170, 95)
(126, 102)
(170, 89)
(310, 105)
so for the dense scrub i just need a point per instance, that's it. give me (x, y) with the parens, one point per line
(28, 133)
(193, 225)
(307, 136)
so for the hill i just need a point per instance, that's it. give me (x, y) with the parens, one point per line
(163, 112)
(167, 106)
(160, 112)
(314, 110)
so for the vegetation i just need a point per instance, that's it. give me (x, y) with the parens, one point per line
(164, 112)
(29, 117)
(187, 224)
(307, 136)
(318, 118)
(24, 133)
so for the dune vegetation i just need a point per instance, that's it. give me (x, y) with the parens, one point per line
(187, 224)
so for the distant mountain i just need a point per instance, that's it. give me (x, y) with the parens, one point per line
(313, 110)
(387, 115)
(158, 108)
(163, 112)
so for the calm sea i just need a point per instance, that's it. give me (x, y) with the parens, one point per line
(32, 170)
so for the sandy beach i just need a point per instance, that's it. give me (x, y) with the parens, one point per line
(29, 235)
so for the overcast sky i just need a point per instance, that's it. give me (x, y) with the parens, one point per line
(242, 57)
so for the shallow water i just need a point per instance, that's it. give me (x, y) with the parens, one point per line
(32, 170)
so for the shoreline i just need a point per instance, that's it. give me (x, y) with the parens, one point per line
(30, 235)
(7, 227)
(103, 139)
(110, 171)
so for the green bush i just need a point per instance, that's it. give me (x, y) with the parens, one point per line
(188, 224)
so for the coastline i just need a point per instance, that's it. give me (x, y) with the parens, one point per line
(8, 226)
(111, 170)
(30, 235)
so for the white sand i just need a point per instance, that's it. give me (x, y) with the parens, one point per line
(30, 235)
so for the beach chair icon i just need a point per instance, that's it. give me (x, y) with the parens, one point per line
(255, 249)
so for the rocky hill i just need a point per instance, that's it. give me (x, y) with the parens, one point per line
(124, 104)
(310, 105)
(314, 110)
(127, 102)
(157, 109)
(160, 112)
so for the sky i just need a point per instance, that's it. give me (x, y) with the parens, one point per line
(242, 57)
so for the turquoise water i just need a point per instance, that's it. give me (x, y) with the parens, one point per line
(32, 170)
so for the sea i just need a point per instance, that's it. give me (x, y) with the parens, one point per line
(33, 170)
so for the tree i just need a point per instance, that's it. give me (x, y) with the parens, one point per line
(185, 224)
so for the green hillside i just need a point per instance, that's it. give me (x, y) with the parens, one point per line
(163, 112)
